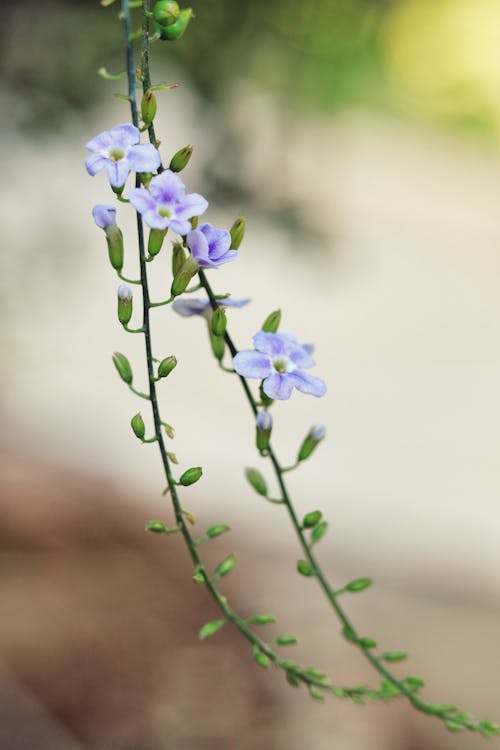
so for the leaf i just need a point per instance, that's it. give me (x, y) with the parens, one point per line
(210, 628)
(111, 76)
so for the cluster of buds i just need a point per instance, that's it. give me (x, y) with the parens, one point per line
(170, 22)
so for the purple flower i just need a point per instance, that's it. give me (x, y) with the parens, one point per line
(119, 152)
(166, 204)
(210, 246)
(264, 421)
(189, 307)
(104, 216)
(279, 360)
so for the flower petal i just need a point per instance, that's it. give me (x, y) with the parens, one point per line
(117, 172)
(270, 343)
(229, 302)
(197, 243)
(189, 307)
(308, 383)
(167, 187)
(230, 255)
(144, 158)
(191, 205)
(141, 200)
(179, 227)
(95, 163)
(104, 216)
(100, 142)
(278, 386)
(251, 364)
(301, 358)
(124, 135)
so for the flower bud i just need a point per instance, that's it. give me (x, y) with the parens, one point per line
(218, 345)
(138, 426)
(182, 278)
(104, 217)
(148, 107)
(191, 476)
(123, 367)
(175, 30)
(218, 321)
(311, 519)
(272, 322)
(313, 437)
(157, 527)
(237, 232)
(178, 257)
(166, 12)
(256, 480)
(180, 160)
(124, 303)
(155, 241)
(264, 424)
(166, 366)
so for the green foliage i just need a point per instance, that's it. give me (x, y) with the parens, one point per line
(210, 628)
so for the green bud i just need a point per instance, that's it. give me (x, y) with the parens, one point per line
(286, 640)
(114, 238)
(155, 241)
(237, 232)
(266, 401)
(191, 476)
(367, 643)
(157, 527)
(311, 519)
(304, 568)
(225, 567)
(261, 620)
(148, 107)
(124, 303)
(217, 530)
(218, 345)
(123, 367)
(292, 679)
(315, 435)
(272, 322)
(178, 258)
(175, 30)
(392, 656)
(166, 12)
(198, 577)
(218, 321)
(264, 426)
(138, 426)
(166, 366)
(182, 278)
(261, 659)
(180, 159)
(256, 480)
(360, 584)
(319, 531)
(210, 628)
(349, 634)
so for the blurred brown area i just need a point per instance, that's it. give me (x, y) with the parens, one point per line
(98, 645)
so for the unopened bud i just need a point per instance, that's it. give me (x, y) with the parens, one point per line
(180, 160)
(182, 278)
(155, 241)
(272, 322)
(105, 218)
(123, 367)
(166, 12)
(124, 303)
(218, 345)
(257, 481)
(138, 426)
(264, 424)
(191, 476)
(311, 519)
(148, 107)
(166, 366)
(237, 232)
(157, 527)
(178, 258)
(175, 30)
(218, 321)
(313, 437)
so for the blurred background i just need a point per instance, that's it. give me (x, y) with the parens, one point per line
(361, 140)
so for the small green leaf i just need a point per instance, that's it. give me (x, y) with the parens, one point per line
(256, 480)
(304, 568)
(319, 531)
(225, 566)
(286, 640)
(454, 726)
(315, 674)
(394, 656)
(292, 679)
(414, 683)
(103, 73)
(122, 97)
(315, 694)
(260, 619)
(338, 692)
(388, 689)
(360, 584)
(211, 627)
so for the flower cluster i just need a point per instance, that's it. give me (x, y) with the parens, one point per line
(278, 359)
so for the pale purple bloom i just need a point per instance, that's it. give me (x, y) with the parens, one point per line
(104, 216)
(119, 152)
(166, 204)
(264, 421)
(318, 432)
(210, 246)
(188, 307)
(279, 360)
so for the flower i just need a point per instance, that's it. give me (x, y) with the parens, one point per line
(104, 216)
(210, 246)
(166, 204)
(124, 293)
(279, 360)
(188, 307)
(118, 151)
(264, 420)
